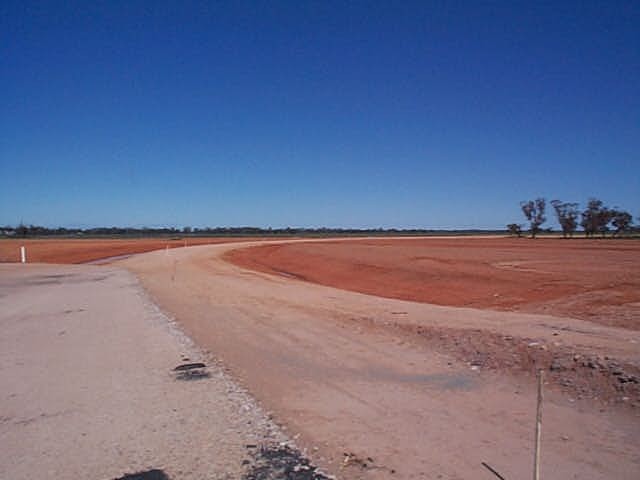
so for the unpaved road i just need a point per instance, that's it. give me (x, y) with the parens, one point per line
(87, 388)
(339, 372)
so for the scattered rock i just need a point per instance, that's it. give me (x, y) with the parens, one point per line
(191, 371)
(148, 475)
(351, 459)
(566, 382)
(189, 366)
(282, 462)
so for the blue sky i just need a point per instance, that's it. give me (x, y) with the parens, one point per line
(342, 114)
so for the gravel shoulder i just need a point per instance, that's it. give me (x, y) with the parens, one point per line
(88, 387)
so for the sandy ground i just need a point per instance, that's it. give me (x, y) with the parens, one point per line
(55, 250)
(349, 377)
(87, 388)
(596, 280)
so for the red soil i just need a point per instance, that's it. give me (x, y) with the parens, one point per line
(87, 250)
(597, 280)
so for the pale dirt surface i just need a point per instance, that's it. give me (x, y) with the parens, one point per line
(87, 388)
(596, 280)
(352, 373)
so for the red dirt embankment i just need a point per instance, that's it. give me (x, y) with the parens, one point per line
(596, 280)
(90, 249)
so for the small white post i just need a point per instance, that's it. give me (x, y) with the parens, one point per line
(536, 455)
(23, 255)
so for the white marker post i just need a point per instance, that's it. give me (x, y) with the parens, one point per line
(23, 255)
(536, 455)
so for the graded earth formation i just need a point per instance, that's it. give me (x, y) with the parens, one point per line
(596, 280)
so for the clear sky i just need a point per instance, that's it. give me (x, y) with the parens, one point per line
(341, 114)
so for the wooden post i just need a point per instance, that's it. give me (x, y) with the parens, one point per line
(536, 458)
(23, 255)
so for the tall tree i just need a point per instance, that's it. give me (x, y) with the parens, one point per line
(534, 212)
(567, 214)
(596, 218)
(621, 220)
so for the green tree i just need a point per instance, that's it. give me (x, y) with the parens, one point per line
(596, 218)
(515, 229)
(621, 220)
(567, 214)
(534, 212)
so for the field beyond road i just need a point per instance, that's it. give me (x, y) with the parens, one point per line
(83, 250)
(595, 280)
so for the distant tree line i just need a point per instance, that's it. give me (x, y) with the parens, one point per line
(595, 219)
(24, 231)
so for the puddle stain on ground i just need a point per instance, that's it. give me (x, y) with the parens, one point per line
(445, 381)
(59, 279)
(441, 380)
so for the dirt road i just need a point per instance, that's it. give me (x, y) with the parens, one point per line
(346, 373)
(87, 387)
